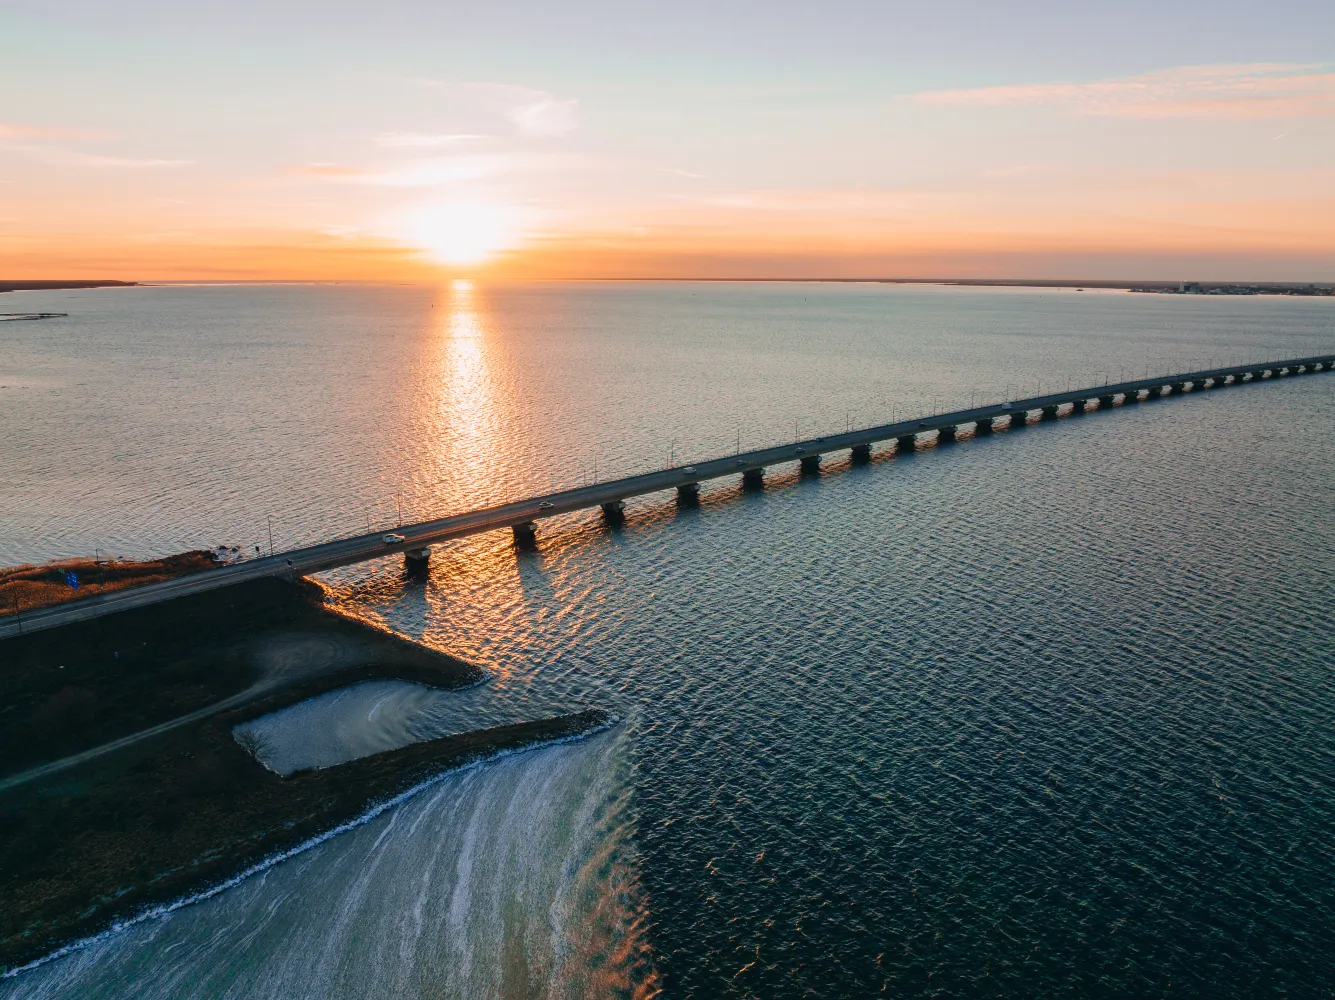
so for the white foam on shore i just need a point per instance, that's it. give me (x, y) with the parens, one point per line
(356, 721)
(124, 959)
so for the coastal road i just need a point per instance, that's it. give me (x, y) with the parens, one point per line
(359, 548)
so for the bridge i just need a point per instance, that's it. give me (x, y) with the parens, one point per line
(521, 516)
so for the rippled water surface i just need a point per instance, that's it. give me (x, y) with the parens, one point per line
(1045, 714)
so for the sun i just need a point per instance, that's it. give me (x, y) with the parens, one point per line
(462, 233)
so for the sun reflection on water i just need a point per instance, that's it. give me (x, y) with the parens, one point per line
(462, 404)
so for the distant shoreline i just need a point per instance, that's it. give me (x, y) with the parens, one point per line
(1157, 287)
(1320, 289)
(53, 286)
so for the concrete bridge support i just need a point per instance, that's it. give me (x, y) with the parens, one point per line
(417, 560)
(810, 465)
(1177, 388)
(1105, 402)
(907, 444)
(614, 513)
(981, 426)
(947, 435)
(1019, 419)
(1078, 407)
(526, 535)
(688, 495)
(753, 479)
(1048, 413)
(860, 455)
(1131, 397)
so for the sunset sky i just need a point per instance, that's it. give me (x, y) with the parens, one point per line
(401, 140)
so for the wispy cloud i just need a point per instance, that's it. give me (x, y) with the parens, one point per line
(537, 113)
(1262, 90)
(530, 112)
(428, 140)
(12, 130)
(335, 171)
(69, 158)
(444, 170)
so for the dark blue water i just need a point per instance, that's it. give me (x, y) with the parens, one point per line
(1045, 714)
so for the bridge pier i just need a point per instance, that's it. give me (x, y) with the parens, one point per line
(526, 535)
(753, 479)
(688, 495)
(1105, 402)
(983, 425)
(1048, 413)
(1131, 397)
(1078, 407)
(907, 444)
(614, 512)
(1177, 388)
(809, 465)
(417, 560)
(860, 454)
(1019, 419)
(947, 435)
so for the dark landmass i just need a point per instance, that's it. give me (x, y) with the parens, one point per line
(160, 822)
(180, 811)
(51, 286)
(69, 689)
(1164, 287)
(26, 588)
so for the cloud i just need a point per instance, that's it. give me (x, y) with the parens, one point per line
(443, 170)
(531, 112)
(335, 171)
(67, 158)
(539, 114)
(678, 172)
(1262, 90)
(427, 140)
(11, 130)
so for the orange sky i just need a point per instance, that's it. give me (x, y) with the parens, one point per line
(170, 152)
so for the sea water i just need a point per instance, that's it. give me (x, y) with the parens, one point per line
(1047, 713)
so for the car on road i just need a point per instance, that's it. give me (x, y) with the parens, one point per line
(545, 505)
(689, 470)
(393, 539)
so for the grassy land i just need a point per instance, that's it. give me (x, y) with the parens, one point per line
(26, 588)
(158, 822)
(188, 808)
(68, 689)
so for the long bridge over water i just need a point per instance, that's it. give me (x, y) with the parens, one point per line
(521, 516)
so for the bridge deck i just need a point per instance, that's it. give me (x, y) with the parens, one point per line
(359, 548)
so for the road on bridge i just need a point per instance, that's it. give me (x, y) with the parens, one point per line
(359, 548)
